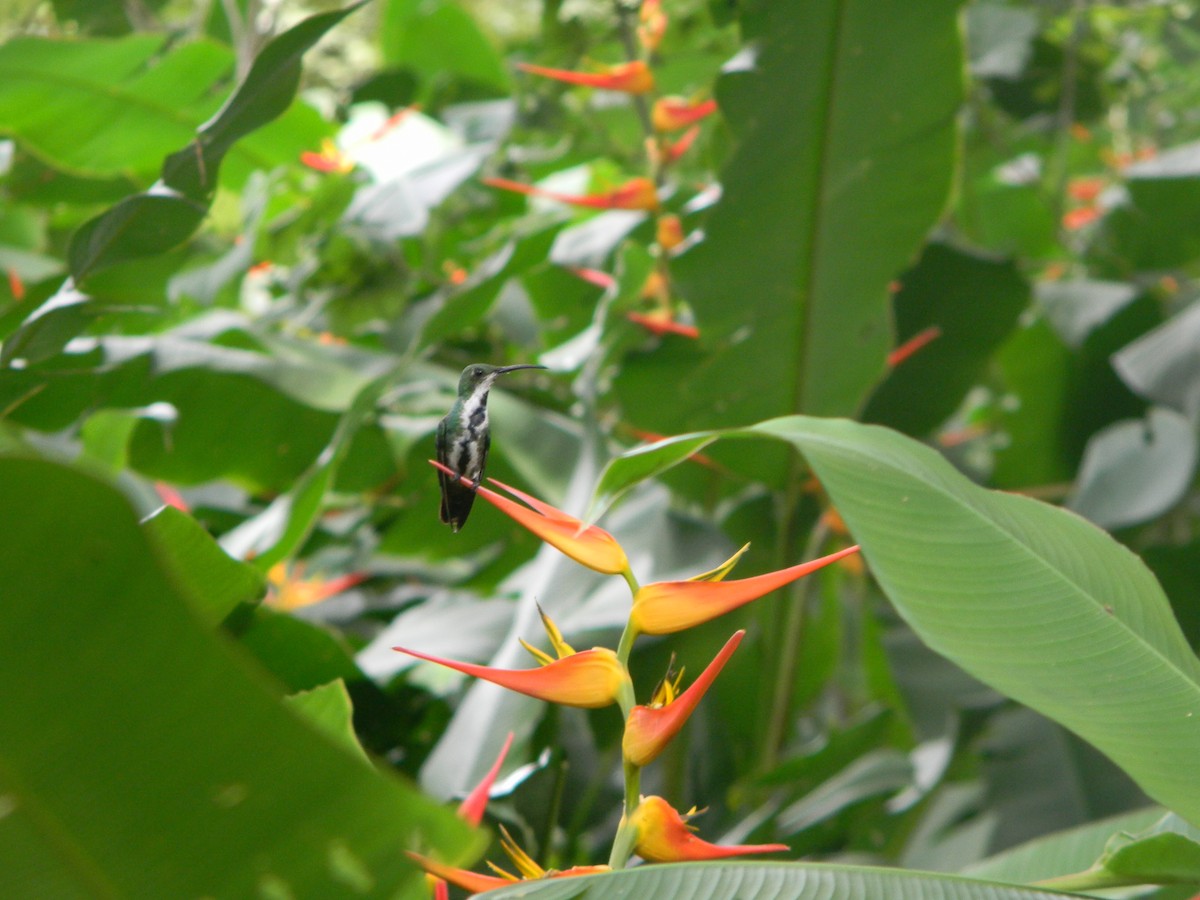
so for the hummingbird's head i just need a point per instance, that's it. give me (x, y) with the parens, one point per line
(481, 374)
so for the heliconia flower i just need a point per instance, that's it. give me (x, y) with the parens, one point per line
(290, 590)
(661, 153)
(591, 546)
(661, 322)
(637, 193)
(668, 232)
(171, 497)
(589, 679)
(1077, 218)
(15, 285)
(330, 159)
(477, 883)
(594, 276)
(673, 113)
(656, 287)
(628, 78)
(471, 811)
(473, 805)
(670, 606)
(663, 835)
(913, 344)
(648, 729)
(652, 24)
(1085, 190)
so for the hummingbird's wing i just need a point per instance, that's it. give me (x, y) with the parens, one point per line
(457, 498)
(443, 478)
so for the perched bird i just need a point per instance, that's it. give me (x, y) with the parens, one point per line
(463, 439)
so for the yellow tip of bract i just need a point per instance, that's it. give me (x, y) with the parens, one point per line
(663, 835)
(670, 606)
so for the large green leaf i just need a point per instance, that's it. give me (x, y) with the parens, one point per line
(139, 757)
(1030, 599)
(105, 107)
(796, 881)
(846, 138)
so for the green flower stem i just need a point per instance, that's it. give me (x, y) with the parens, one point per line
(626, 837)
(629, 635)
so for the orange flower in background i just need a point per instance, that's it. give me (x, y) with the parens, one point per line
(670, 606)
(1077, 218)
(594, 276)
(652, 24)
(913, 344)
(649, 729)
(662, 321)
(590, 679)
(637, 193)
(628, 78)
(290, 590)
(673, 113)
(663, 835)
(15, 285)
(668, 232)
(1085, 190)
(473, 805)
(330, 159)
(524, 864)
(668, 153)
(591, 546)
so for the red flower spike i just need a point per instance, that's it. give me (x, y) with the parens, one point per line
(463, 878)
(590, 679)
(661, 323)
(664, 836)
(673, 113)
(15, 285)
(652, 24)
(330, 159)
(670, 606)
(913, 344)
(672, 152)
(591, 546)
(649, 729)
(637, 193)
(594, 276)
(668, 232)
(1077, 218)
(473, 805)
(627, 78)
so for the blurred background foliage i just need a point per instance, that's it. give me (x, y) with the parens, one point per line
(267, 347)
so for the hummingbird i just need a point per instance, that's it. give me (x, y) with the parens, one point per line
(463, 439)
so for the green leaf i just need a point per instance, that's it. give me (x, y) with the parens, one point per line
(1022, 596)
(1165, 853)
(836, 180)
(974, 303)
(196, 782)
(1018, 593)
(138, 226)
(1164, 365)
(154, 221)
(263, 95)
(217, 582)
(1136, 470)
(439, 39)
(796, 881)
(1055, 854)
(107, 107)
(328, 708)
(1158, 227)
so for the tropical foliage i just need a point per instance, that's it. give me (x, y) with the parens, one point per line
(919, 278)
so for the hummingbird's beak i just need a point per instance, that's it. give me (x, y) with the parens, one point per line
(504, 370)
